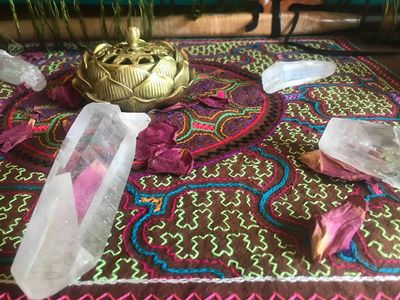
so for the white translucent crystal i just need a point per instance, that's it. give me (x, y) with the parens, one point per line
(283, 74)
(15, 70)
(372, 148)
(70, 225)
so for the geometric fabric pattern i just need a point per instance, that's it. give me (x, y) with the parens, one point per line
(237, 226)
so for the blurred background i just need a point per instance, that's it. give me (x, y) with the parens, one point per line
(372, 25)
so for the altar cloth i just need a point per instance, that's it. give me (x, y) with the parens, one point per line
(237, 226)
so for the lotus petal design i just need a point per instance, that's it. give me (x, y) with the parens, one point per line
(136, 75)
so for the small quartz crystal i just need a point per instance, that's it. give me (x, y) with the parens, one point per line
(15, 70)
(70, 225)
(372, 148)
(283, 74)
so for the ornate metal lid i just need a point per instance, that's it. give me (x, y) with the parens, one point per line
(133, 51)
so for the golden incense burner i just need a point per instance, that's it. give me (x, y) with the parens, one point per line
(136, 75)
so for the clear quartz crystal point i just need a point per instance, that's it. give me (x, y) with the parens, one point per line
(70, 225)
(15, 70)
(372, 148)
(283, 74)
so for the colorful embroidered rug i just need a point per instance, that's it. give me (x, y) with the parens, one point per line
(237, 226)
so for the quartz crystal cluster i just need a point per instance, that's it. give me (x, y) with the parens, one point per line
(371, 148)
(15, 70)
(70, 225)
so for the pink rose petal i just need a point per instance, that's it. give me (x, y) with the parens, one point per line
(152, 137)
(65, 96)
(172, 161)
(221, 94)
(72, 162)
(155, 149)
(33, 57)
(176, 106)
(321, 163)
(335, 229)
(85, 186)
(214, 102)
(218, 101)
(157, 133)
(37, 110)
(16, 135)
(66, 125)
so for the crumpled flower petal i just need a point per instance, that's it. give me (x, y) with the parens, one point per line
(37, 110)
(335, 229)
(321, 163)
(214, 101)
(150, 139)
(176, 106)
(173, 161)
(85, 186)
(158, 133)
(218, 101)
(65, 96)
(16, 135)
(66, 125)
(155, 149)
(33, 57)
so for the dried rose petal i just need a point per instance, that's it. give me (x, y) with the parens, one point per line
(152, 137)
(218, 101)
(65, 96)
(335, 229)
(158, 133)
(16, 135)
(33, 57)
(173, 161)
(176, 106)
(155, 148)
(221, 94)
(321, 163)
(85, 186)
(214, 101)
(66, 125)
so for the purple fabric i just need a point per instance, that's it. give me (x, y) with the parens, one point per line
(16, 135)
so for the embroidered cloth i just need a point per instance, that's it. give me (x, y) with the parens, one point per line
(236, 227)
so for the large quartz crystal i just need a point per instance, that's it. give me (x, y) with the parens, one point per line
(372, 148)
(15, 70)
(283, 74)
(73, 217)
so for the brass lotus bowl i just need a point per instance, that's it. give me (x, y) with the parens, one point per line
(136, 75)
